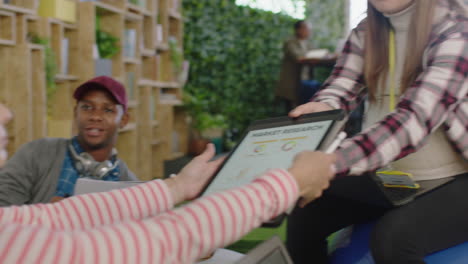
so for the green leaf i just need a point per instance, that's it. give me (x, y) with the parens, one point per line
(50, 65)
(107, 44)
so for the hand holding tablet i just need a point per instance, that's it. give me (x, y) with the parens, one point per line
(273, 143)
(312, 171)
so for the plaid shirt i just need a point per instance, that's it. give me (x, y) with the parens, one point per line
(437, 98)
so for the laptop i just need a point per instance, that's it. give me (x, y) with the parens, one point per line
(271, 251)
(273, 143)
(370, 189)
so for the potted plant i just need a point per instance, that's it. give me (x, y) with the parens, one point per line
(177, 57)
(207, 127)
(50, 64)
(107, 46)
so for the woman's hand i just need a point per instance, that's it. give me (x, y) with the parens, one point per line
(193, 177)
(308, 108)
(313, 172)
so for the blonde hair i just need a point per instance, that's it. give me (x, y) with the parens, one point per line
(376, 46)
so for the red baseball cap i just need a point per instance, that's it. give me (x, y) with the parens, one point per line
(115, 88)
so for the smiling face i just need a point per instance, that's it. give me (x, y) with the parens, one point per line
(390, 6)
(98, 118)
(5, 117)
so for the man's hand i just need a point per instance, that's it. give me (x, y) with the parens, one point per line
(188, 184)
(308, 108)
(313, 172)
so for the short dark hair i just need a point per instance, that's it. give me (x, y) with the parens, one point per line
(298, 24)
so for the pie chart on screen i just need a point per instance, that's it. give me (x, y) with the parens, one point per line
(289, 145)
(260, 148)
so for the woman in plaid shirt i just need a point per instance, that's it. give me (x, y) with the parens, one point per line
(410, 58)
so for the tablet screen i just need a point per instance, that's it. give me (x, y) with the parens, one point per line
(265, 149)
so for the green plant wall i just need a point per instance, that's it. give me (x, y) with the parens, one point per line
(235, 54)
(327, 18)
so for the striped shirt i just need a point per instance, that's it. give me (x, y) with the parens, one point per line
(438, 98)
(137, 225)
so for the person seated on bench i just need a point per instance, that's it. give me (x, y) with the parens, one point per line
(410, 57)
(47, 169)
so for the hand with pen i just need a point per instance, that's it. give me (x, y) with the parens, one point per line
(303, 161)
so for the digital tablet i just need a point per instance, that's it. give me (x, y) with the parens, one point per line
(273, 143)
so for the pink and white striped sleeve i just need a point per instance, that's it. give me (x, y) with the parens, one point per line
(220, 219)
(179, 236)
(93, 210)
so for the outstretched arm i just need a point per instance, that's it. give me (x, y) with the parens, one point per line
(180, 236)
(438, 94)
(344, 89)
(138, 202)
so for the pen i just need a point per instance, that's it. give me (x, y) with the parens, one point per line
(334, 145)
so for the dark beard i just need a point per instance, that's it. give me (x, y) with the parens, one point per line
(92, 147)
(95, 147)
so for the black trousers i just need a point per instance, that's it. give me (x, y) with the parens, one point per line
(433, 222)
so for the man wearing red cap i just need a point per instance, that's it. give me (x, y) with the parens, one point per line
(47, 169)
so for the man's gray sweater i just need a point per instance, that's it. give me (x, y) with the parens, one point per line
(32, 174)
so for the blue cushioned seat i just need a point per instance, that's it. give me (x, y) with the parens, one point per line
(357, 251)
